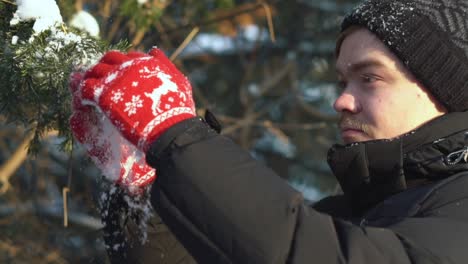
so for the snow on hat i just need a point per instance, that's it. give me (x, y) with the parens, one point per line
(429, 36)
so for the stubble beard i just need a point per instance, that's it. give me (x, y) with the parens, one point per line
(352, 122)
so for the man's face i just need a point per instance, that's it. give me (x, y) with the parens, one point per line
(380, 99)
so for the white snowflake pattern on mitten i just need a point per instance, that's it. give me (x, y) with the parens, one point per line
(132, 106)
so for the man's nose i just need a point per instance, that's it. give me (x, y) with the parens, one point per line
(346, 102)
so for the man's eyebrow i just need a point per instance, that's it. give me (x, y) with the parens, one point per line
(356, 67)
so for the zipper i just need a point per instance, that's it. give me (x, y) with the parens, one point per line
(457, 156)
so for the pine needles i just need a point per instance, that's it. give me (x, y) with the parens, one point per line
(35, 70)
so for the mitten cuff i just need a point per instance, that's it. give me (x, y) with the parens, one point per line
(161, 123)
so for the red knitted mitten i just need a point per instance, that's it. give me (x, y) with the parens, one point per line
(142, 95)
(119, 160)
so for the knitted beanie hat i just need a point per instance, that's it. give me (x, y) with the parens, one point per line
(429, 36)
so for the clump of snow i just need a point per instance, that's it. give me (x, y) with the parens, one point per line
(45, 13)
(110, 139)
(117, 158)
(47, 17)
(59, 39)
(86, 22)
(14, 40)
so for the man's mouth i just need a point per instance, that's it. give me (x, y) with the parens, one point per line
(353, 130)
(349, 134)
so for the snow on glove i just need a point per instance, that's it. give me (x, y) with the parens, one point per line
(141, 94)
(119, 160)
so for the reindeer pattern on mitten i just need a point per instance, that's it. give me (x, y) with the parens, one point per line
(166, 86)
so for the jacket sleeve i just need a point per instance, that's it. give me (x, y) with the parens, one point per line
(225, 207)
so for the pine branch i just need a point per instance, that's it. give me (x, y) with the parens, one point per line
(35, 72)
(8, 2)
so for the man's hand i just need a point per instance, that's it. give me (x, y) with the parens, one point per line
(141, 94)
(119, 160)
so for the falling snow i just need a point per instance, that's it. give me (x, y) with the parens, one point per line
(118, 149)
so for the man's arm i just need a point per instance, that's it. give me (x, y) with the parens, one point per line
(225, 207)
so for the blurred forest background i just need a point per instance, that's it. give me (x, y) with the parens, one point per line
(264, 68)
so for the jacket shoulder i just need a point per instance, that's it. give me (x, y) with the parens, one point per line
(448, 198)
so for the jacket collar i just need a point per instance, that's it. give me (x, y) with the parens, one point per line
(371, 171)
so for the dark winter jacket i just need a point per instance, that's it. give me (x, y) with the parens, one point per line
(405, 200)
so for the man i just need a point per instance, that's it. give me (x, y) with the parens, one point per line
(403, 70)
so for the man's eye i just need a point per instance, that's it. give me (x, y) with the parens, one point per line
(369, 79)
